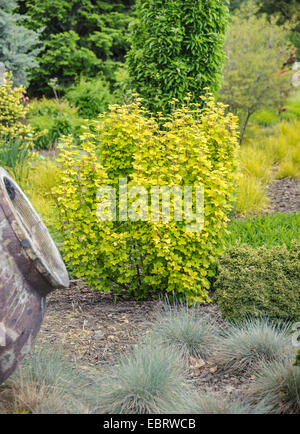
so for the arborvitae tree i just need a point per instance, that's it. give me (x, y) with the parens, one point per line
(176, 49)
(79, 38)
(18, 45)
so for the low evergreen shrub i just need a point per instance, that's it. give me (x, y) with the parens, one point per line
(259, 282)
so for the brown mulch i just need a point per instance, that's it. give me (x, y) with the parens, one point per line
(93, 327)
(285, 195)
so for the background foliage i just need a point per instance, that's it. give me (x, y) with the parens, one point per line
(91, 96)
(78, 38)
(287, 11)
(256, 50)
(51, 119)
(12, 110)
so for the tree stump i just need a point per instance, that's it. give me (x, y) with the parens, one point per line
(30, 268)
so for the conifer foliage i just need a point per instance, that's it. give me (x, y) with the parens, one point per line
(19, 46)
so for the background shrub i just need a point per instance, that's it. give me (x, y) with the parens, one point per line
(266, 118)
(12, 110)
(259, 281)
(176, 48)
(292, 107)
(285, 11)
(51, 120)
(250, 83)
(91, 96)
(78, 38)
(19, 46)
(143, 257)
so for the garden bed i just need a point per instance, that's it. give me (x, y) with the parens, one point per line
(95, 329)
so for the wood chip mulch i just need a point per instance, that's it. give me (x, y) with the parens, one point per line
(92, 326)
(285, 195)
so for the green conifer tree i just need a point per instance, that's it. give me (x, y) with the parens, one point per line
(18, 45)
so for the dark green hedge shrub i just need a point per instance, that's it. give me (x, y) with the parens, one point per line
(259, 282)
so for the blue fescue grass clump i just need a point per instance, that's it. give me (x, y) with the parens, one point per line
(185, 328)
(243, 346)
(220, 403)
(48, 383)
(278, 384)
(149, 380)
(265, 230)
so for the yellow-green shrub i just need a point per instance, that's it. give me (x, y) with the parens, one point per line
(193, 147)
(12, 110)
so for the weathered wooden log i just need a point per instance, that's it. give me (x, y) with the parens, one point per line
(30, 268)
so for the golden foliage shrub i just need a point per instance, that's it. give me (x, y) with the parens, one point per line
(12, 110)
(189, 147)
